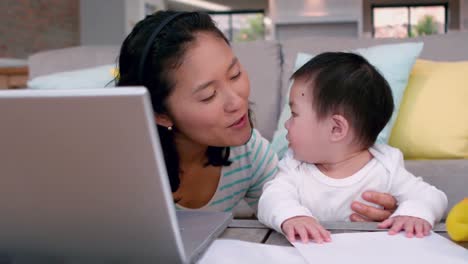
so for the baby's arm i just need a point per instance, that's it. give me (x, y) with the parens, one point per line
(421, 205)
(279, 208)
(305, 227)
(413, 226)
(280, 199)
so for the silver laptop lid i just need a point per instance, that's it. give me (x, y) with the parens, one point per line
(69, 157)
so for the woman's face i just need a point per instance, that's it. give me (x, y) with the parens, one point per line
(209, 103)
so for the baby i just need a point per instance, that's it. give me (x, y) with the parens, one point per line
(339, 104)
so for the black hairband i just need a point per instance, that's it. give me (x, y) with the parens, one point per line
(150, 42)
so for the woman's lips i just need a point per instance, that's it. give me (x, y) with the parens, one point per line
(240, 123)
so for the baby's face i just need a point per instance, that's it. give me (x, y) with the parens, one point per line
(308, 135)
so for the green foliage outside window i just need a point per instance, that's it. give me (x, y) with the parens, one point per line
(425, 26)
(255, 30)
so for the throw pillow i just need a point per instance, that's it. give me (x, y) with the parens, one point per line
(394, 61)
(96, 77)
(433, 119)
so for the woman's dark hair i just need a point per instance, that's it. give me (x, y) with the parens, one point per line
(348, 84)
(164, 56)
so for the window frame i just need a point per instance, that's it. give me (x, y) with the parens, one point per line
(408, 7)
(454, 12)
(230, 13)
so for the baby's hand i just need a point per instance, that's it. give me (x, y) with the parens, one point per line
(305, 227)
(411, 225)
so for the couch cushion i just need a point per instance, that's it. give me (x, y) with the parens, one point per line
(94, 77)
(262, 62)
(70, 59)
(450, 176)
(433, 119)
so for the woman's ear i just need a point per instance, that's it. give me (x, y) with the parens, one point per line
(164, 120)
(339, 128)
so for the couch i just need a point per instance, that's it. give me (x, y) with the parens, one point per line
(270, 63)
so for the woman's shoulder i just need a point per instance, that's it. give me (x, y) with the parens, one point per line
(255, 141)
(256, 147)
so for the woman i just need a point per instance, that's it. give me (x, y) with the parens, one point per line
(200, 93)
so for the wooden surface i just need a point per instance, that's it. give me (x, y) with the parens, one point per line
(13, 77)
(14, 70)
(254, 231)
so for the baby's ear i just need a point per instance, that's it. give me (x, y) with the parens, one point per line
(339, 128)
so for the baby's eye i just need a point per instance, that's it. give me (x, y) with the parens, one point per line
(235, 77)
(294, 114)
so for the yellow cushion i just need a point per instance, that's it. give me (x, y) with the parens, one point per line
(433, 118)
(114, 72)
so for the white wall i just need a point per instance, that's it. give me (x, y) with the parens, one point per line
(233, 4)
(298, 18)
(344, 29)
(108, 22)
(244, 4)
(101, 22)
(295, 10)
(464, 16)
(135, 11)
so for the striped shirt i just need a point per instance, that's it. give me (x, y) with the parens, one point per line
(253, 164)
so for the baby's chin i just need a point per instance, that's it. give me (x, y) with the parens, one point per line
(304, 158)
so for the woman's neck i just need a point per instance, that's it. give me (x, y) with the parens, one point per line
(198, 183)
(190, 153)
(346, 164)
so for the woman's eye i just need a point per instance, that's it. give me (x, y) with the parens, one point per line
(236, 76)
(210, 97)
(293, 114)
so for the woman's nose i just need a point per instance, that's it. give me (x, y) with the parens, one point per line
(233, 101)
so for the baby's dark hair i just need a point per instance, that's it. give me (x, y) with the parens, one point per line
(347, 84)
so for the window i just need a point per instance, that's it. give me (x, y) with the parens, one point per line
(240, 26)
(403, 21)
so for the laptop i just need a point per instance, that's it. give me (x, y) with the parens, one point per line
(83, 178)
